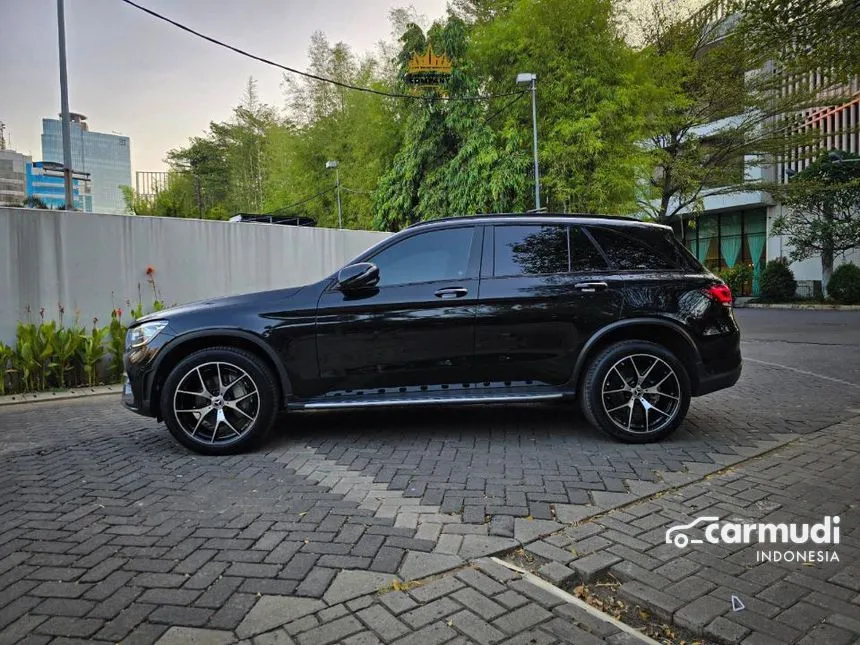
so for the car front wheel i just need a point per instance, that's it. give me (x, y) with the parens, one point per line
(636, 391)
(219, 401)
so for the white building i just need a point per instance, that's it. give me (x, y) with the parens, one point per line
(13, 177)
(737, 226)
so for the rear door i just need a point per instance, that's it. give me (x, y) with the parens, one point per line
(544, 289)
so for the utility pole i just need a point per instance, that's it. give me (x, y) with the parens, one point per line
(329, 165)
(531, 79)
(64, 103)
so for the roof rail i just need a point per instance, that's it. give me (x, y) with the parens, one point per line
(482, 216)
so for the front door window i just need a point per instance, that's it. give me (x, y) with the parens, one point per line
(426, 257)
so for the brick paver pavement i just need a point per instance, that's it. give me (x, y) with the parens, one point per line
(803, 602)
(110, 531)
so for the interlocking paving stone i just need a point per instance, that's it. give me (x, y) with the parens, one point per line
(593, 565)
(475, 546)
(356, 480)
(700, 613)
(351, 584)
(397, 602)
(436, 589)
(273, 611)
(726, 631)
(382, 622)
(428, 613)
(522, 618)
(195, 636)
(332, 632)
(418, 565)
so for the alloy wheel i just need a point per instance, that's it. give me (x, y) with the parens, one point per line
(216, 403)
(641, 394)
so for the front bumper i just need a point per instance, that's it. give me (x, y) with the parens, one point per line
(140, 372)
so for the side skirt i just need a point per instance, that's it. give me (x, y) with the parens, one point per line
(463, 394)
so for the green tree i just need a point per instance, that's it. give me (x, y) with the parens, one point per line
(34, 202)
(449, 161)
(822, 210)
(227, 163)
(591, 95)
(805, 36)
(718, 105)
(177, 198)
(356, 129)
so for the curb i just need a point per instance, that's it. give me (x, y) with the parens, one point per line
(42, 397)
(799, 306)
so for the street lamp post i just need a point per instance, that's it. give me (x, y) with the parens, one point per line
(64, 106)
(531, 79)
(329, 165)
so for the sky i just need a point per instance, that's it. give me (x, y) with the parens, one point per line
(132, 74)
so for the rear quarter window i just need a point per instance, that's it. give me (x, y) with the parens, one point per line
(644, 249)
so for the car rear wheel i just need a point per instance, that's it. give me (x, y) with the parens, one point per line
(636, 391)
(219, 401)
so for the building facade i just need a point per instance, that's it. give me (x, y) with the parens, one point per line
(46, 182)
(106, 158)
(148, 183)
(13, 177)
(736, 227)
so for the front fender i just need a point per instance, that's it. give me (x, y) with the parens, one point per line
(176, 344)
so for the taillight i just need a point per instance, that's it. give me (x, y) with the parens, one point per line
(721, 293)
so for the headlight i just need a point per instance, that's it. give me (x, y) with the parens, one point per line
(142, 334)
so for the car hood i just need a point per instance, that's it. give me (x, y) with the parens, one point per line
(225, 302)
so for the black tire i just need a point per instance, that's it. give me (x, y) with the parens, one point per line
(247, 407)
(606, 403)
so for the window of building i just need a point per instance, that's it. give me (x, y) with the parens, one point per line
(723, 240)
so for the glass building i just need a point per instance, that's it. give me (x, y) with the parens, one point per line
(105, 157)
(45, 181)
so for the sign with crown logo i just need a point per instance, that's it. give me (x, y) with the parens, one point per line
(428, 70)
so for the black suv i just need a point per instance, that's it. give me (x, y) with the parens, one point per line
(483, 309)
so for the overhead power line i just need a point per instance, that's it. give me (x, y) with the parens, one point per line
(307, 199)
(504, 107)
(315, 77)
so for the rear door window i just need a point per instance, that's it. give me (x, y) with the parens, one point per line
(530, 249)
(584, 256)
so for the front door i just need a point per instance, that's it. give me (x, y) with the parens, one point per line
(545, 288)
(416, 327)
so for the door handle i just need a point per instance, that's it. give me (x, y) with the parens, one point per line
(590, 287)
(452, 292)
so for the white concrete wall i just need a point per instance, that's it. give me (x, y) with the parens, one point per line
(810, 269)
(80, 259)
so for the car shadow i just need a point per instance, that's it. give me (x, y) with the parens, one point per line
(546, 422)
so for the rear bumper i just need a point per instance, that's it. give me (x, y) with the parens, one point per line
(709, 382)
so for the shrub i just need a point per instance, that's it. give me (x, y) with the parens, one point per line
(844, 285)
(777, 281)
(736, 277)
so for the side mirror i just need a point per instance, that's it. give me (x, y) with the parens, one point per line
(358, 276)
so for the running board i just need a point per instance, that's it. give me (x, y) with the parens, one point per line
(429, 398)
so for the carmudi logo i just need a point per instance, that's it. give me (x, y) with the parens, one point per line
(822, 534)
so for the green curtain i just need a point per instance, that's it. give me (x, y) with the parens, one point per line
(756, 238)
(730, 238)
(707, 227)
